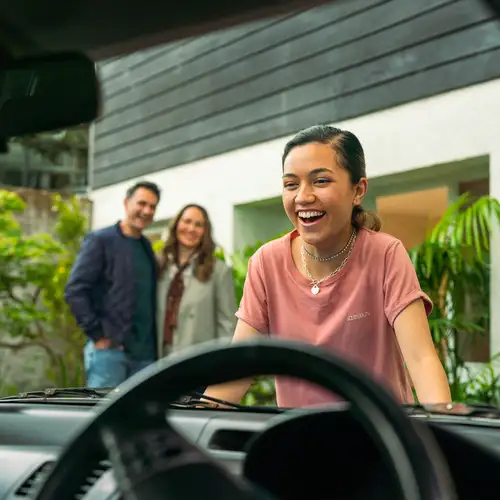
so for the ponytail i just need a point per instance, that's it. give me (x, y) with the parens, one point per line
(362, 219)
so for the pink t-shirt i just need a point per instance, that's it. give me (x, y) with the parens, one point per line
(353, 315)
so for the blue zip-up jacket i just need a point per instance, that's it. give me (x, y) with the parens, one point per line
(100, 289)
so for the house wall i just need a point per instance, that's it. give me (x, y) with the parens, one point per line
(207, 96)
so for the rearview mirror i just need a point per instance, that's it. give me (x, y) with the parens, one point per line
(47, 93)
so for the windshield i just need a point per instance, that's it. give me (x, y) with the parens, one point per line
(318, 175)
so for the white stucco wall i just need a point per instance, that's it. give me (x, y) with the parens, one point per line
(450, 127)
(453, 126)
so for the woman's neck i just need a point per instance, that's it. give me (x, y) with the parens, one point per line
(325, 258)
(329, 249)
(184, 254)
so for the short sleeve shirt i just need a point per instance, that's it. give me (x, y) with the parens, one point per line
(353, 315)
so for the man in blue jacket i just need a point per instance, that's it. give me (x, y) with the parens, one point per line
(112, 292)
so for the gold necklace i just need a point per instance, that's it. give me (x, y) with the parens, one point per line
(331, 257)
(316, 282)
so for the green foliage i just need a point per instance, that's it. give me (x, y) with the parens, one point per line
(261, 393)
(480, 387)
(453, 269)
(157, 246)
(71, 226)
(33, 272)
(468, 224)
(239, 262)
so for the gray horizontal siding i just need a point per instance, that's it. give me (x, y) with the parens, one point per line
(204, 96)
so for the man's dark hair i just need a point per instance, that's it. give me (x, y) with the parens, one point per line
(151, 186)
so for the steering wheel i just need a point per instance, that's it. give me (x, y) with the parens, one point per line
(152, 461)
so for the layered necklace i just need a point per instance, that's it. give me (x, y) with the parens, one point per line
(316, 282)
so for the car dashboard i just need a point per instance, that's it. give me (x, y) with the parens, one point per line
(33, 433)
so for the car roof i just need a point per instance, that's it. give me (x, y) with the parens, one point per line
(105, 29)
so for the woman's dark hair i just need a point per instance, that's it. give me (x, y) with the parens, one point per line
(205, 260)
(350, 156)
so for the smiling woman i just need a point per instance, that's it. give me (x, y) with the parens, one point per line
(336, 281)
(196, 298)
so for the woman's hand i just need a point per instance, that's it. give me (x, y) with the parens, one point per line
(233, 392)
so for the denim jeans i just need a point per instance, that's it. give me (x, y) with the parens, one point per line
(109, 367)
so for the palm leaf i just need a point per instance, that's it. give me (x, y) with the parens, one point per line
(468, 223)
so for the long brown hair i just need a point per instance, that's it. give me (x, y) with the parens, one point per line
(205, 260)
(351, 157)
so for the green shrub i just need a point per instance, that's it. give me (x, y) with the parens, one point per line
(33, 272)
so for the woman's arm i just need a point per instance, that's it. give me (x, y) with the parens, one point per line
(414, 338)
(406, 309)
(252, 311)
(234, 391)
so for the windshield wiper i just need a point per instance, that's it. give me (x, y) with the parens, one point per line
(60, 393)
(193, 400)
(190, 401)
(199, 400)
(196, 399)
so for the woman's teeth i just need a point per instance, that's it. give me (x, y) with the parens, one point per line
(310, 216)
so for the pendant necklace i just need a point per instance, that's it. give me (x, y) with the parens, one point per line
(315, 282)
(335, 255)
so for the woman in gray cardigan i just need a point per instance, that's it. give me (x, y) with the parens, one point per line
(196, 297)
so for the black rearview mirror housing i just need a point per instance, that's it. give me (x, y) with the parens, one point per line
(47, 93)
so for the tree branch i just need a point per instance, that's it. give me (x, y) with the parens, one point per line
(36, 295)
(16, 347)
(19, 346)
(40, 330)
(11, 295)
(7, 288)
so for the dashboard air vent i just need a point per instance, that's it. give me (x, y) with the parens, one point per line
(234, 440)
(92, 478)
(35, 479)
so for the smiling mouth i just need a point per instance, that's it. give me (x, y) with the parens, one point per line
(310, 217)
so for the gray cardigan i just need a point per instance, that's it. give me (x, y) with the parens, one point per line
(207, 310)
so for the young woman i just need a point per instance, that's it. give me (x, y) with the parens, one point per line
(336, 282)
(196, 298)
